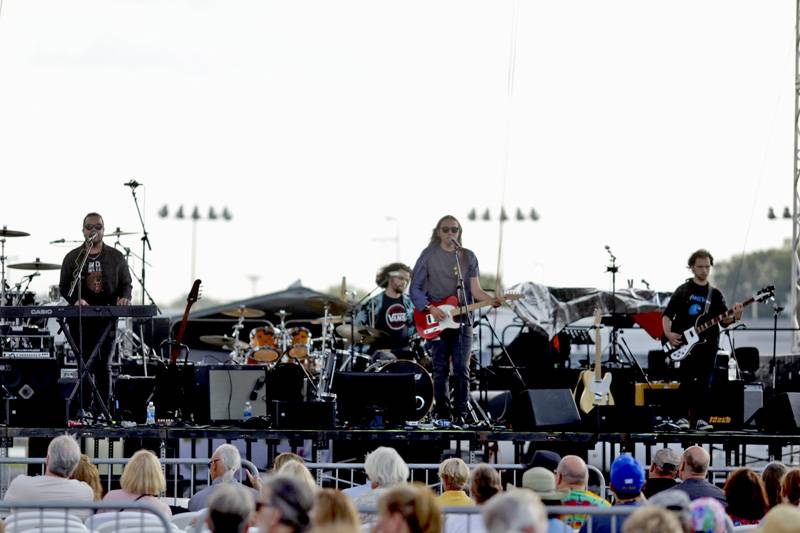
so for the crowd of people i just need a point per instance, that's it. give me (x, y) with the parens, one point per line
(673, 495)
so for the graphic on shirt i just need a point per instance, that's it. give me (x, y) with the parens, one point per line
(94, 276)
(697, 304)
(395, 317)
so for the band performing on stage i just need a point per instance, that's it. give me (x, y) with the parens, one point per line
(408, 355)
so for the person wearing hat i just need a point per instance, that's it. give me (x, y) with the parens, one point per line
(543, 482)
(627, 480)
(545, 458)
(663, 472)
(783, 518)
(677, 502)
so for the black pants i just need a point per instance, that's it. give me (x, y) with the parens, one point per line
(100, 368)
(452, 345)
(696, 376)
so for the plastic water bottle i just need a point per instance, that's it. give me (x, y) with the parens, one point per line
(151, 413)
(732, 368)
(248, 411)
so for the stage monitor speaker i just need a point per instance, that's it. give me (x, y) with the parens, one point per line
(230, 388)
(748, 358)
(304, 415)
(781, 413)
(544, 408)
(131, 394)
(37, 399)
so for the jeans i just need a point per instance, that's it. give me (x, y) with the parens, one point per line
(451, 345)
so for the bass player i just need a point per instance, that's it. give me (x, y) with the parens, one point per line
(693, 299)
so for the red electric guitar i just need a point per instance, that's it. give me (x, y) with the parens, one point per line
(429, 328)
(194, 295)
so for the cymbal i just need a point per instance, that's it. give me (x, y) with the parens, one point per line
(223, 341)
(334, 304)
(363, 334)
(333, 319)
(119, 233)
(36, 265)
(245, 312)
(13, 233)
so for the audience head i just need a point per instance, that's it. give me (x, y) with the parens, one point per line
(333, 507)
(708, 516)
(63, 456)
(143, 474)
(454, 474)
(572, 473)
(543, 482)
(284, 505)
(484, 483)
(627, 478)
(225, 462)
(745, 494)
(783, 518)
(519, 510)
(652, 519)
(284, 458)
(790, 486)
(665, 463)
(677, 502)
(385, 467)
(88, 473)
(545, 459)
(300, 472)
(230, 509)
(409, 507)
(694, 463)
(771, 476)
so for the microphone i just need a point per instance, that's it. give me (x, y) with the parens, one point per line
(89, 238)
(57, 241)
(455, 244)
(132, 184)
(644, 282)
(31, 276)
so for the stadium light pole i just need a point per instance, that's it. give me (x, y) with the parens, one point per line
(195, 216)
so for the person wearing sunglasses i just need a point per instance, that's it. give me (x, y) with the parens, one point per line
(104, 280)
(434, 278)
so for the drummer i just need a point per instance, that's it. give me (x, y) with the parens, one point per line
(391, 312)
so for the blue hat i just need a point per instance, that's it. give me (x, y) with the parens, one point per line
(627, 476)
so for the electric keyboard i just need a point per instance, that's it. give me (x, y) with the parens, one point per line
(72, 311)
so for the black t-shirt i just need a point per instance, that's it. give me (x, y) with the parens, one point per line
(658, 484)
(391, 319)
(105, 277)
(688, 302)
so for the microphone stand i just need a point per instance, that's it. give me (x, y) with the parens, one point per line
(612, 341)
(145, 246)
(773, 365)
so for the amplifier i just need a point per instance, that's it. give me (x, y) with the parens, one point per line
(25, 342)
(654, 393)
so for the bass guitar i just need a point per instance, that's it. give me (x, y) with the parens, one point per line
(430, 328)
(691, 337)
(596, 386)
(194, 295)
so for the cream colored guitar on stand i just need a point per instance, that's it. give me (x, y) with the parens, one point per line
(596, 386)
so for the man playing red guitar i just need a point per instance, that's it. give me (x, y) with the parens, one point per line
(694, 299)
(435, 278)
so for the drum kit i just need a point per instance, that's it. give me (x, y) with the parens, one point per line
(19, 293)
(339, 347)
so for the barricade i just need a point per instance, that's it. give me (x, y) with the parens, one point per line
(56, 516)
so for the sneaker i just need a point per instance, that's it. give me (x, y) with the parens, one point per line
(702, 425)
(683, 424)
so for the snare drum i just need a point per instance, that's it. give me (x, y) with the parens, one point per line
(423, 384)
(301, 343)
(263, 345)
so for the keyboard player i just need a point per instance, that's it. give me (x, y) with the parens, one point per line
(104, 280)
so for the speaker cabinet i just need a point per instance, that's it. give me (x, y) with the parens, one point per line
(304, 415)
(36, 398)
(781, 413)
(544, 408)
(230, 388)
(131, 394)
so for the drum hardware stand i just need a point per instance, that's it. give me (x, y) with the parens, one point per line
(3, 270)
(329, 363)
(354, 310)
(284, 346)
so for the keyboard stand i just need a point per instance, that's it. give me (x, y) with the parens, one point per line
(83, 370)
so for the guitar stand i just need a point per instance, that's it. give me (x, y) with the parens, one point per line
(83, 372)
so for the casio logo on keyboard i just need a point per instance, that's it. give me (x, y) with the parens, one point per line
(41, 311)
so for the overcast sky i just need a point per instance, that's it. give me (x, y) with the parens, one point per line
(652, 127)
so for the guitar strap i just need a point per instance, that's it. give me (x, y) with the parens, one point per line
(708, 299)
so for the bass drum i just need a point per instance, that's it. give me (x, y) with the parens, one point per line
(423, 384)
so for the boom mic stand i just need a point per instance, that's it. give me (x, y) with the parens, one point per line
(612, 335)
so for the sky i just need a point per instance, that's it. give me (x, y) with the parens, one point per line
(330, 129)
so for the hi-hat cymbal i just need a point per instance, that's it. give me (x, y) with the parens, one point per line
(333, 319)
(36, 265)
(119, 233)
(363, 334)
(223, 341)
(5, 232)
(245, 312)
